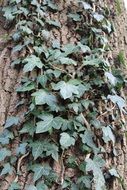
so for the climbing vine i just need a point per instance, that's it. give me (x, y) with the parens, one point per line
(73, 97)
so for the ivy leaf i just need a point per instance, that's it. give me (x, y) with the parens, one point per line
(8, 12)
(84, 48)
(40, 148)
(40, 171)
(111, 78)
(67, 61)
(52, 150)
(70, 48)
(31, 187)
(11, 121)
(36, 149)
(44, 126)
(118, 100)
(95, 166)
(43, 97)
(86, 6)
(21, 148)
(28, 86)
(66, 89)
(108, 134)
(114, 173)
(66, 140)
(4, 153)
(98, 17)
(14, 186)
(41, 186)
(87, 138)
(52, 6)
(53, 23)
(7, 169)
(5, 136)
(56, 44)
(32, 62)
(45, 34)
(28, 128)
(75, 17)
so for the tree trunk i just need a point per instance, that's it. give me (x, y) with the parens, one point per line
(10, 78)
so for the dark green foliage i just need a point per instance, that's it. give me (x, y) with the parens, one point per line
(64, 95)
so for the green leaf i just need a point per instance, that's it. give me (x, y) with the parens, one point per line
(114, 173)
(70, 48)
(14, 186)
(84, 48)
(41, 186)
(42, 97)
(40, 171)
(45, 34)
(56, 44)
(98, 17)
(32, 62)
(44, 126)
(31, 187)
(113, 80)
(52, 6)
(21, 149)
(87, 138)
(75, 17)
(95, 166)
(86, 6)
(8, 12)
(67, 61)
(53, 23)
(66, 140)
(7, 169)
(66, 89)
(28, 128)
(5, 136)
(28, 86)
(119, 101)
(42, 148)
(4, 153)
(11, 121)
(37, 149)
(108, 134)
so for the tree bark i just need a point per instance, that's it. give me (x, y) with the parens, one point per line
(10, 78)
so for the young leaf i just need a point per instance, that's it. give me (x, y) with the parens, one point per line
(66, 140)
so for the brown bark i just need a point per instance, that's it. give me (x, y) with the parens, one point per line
(10, 78)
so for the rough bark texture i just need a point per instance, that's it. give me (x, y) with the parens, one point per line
(10, 79)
